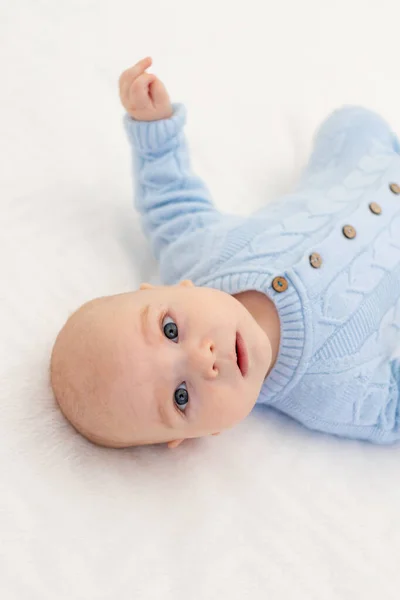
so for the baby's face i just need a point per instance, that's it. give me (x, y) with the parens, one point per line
(186, 362)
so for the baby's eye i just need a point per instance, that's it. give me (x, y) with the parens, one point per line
(181, 397)
(170, 329)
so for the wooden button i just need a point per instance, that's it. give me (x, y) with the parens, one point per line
(395, 188)
(280, 284)
(349, 232)
(315, 260)
(375, 208)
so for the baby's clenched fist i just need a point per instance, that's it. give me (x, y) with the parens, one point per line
(143, 95)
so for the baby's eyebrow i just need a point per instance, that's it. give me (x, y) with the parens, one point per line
(164, 409)
(165, 414)
(144, 319)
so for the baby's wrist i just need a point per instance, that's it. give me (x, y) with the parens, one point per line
(165, 130)
(152, 118)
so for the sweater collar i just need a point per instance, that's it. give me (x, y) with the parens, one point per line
(294, 346)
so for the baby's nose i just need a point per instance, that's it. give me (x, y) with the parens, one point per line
(203, 359)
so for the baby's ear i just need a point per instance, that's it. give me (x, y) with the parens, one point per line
(174, 443)
(146, 286)
(187, 283)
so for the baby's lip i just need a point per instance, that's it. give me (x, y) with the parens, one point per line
(241, 355)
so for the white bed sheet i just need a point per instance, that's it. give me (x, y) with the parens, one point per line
(268, 510)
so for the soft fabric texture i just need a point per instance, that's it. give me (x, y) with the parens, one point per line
(335, 370)
(270, 510)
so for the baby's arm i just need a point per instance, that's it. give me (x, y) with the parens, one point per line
(344, 138)
(173, 202)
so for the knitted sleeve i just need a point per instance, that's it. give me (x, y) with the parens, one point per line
(388, 426)
(374, 398)
(172, 201)
(362, 404)
(343, 139)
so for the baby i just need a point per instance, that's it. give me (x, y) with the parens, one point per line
(296, 306)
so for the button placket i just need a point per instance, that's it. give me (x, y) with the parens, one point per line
(375, 208)
(349, 232)
(315, 260)
(280, 284)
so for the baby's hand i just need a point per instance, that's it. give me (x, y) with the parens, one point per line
(143, 95)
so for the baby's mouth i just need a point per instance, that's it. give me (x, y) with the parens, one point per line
(241, 355)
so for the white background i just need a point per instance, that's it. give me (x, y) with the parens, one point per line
(268, 510)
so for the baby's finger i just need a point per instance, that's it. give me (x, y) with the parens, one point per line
(130, 75)
(139, 90)
(158, 93)
(137, 70)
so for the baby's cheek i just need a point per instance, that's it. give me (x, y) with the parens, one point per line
(229, 407)
(241, 402)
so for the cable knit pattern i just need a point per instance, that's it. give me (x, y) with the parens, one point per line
(340, 323)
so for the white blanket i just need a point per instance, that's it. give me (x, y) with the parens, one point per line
(267, 510)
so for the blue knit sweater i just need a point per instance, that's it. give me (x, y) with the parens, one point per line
(340, 316)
